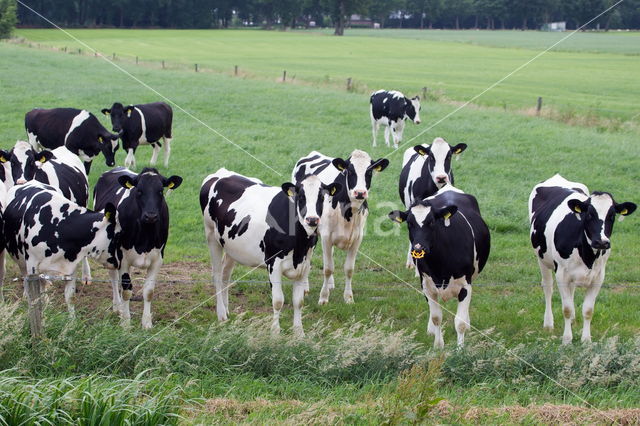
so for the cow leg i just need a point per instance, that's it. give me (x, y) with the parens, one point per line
(375, 126)
(227, 268)
(130, 161)
(387, 131)
(277, 297)
(435, 313)
(547, 287)
(216, 251)
(2, 274)
(565, 287)
(86, 271)
(587, 306)
(349, 265)
(409, 264)
(167, 151)
(298, 302)
(115, 288)
(462, 320)
(127, 290)
(70, 294)
(148, 290)
(327, 267)
(397, 137)
(154, 156)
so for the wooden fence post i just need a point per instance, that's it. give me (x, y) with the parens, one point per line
(196, 67)
(79, 51)
(424, 93)
(349, 84)
(114, 56)
(235, 70)
(136, 60)
(539, 106)
(284, 76)
(65, 49)
(35, 298)
(163, 64)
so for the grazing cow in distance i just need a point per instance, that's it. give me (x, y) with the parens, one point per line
(47, 233)
(143, 218)
(450, 243)
(571, 235)
(142, 124)
(78, 130)
(345, 214)
(392, 108)
(253, 224)
(426, 169)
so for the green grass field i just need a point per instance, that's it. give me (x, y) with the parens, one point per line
(575, 82)
(243, 375)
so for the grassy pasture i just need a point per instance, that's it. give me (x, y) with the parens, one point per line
(278, 123)
(572, 82)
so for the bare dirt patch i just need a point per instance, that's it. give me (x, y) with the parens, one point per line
(557, 414)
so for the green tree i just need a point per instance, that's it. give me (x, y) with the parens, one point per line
(341, 10)
(7, 17)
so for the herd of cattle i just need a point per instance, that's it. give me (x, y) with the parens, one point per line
(46, 226)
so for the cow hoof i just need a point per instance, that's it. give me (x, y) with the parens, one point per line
(548, 328)
(125, 323)
(586, 340)
(306, 292)
(148, 326)
(298, 332)
(566, 340)
(323, 301)
(275, 330)
(86, 280)
(410, 265)
(349, 300)
(222, 318)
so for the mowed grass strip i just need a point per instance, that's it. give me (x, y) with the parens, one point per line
(582, 83)
(277, 123)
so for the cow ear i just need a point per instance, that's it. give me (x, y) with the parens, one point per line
(173, 182)
(339, 164)
(398, 216)
(333, 189)
(422, 150)
(44, 156)
(415, 98)
(379, 165)
(110, 213)
(445, 212)
(289, 189)
(106, 111)
(4, 156)
(625, 209)
(459, 148)
(126, 181)
(577, 206)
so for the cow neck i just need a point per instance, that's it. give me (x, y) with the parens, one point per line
(341, 200)
(303, 242)
(587, 253)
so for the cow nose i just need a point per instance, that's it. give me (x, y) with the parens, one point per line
(441, 179)
(150, 217)
(312, 221)
(601, 245)
(360, 195)
(417, 246)
(21, 181)
(111, 163)
(417, 121)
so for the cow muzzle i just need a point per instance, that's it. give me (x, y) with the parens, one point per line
(360, 195)
(21, 181)
(312, 221)
(416, 121)
(150, 218)
(442, 179)
(418, 252)
(601, 245)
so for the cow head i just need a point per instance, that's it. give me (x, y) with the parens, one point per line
(438, 160)
(422, 219)
(412, 109)
(597, 215)
(118, 114)
(358, 171)
(20, 164)
(147, 190)
(308, 197)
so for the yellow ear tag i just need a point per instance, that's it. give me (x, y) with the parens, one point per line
(107, 215)
(2, 159)
(42, 159)
(624, 212)
(447, 215)
(128, 113)
(107, 113)
(171, 185)
(129, 185)
(422, 152)
(100, 139)
(577, 209)
(378, 168)
(458, 151)
(333, 191)
(398, 219)
(289, 193)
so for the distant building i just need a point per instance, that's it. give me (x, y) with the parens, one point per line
(555, 26)
(360, 21)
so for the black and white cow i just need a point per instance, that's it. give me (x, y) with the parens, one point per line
(142, 124)
(426, 169)
(47, 233)
(258, 225)
(143, 218)
(392, 108)
(450, 243)
(345, 214)
(571, 235)
(59, 168)
(78, 130)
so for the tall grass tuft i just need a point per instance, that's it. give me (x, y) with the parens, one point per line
(87, 401)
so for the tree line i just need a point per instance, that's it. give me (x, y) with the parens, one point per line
(454, 14)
